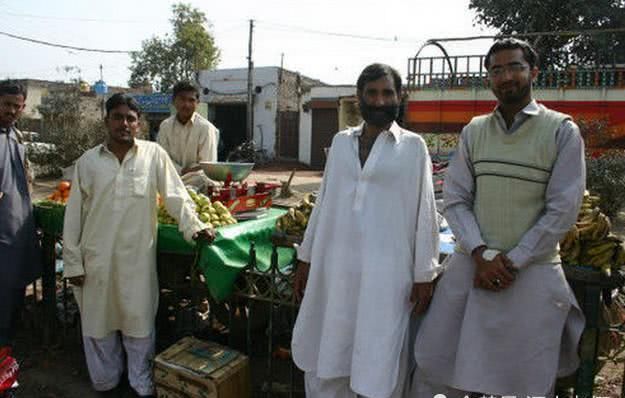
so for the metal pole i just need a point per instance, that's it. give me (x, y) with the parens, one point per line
(250, 96)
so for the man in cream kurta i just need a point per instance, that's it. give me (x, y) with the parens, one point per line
(188, 138)
(503, 320)
(371, 243)
(110, 237)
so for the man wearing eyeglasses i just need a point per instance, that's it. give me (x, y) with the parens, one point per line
(503, 320)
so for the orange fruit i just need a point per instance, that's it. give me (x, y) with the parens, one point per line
(64, 186)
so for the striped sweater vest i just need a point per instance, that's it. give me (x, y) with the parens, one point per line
(511, 174)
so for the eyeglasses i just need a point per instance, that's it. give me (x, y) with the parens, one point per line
(498, 71)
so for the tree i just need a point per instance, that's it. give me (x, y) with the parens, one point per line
(524, 16)
(66, 130)
(163, 61)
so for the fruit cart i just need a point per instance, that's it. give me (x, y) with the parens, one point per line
(219, 264)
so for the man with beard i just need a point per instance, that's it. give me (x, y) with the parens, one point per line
(503, 320)
(187, 137)
(109, 251)
(369, 254)
(19, 250)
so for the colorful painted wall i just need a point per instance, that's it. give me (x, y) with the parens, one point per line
(447, 111)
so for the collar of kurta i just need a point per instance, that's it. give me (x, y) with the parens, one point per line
(531, 109)
(16, 136)
(190, 122)
(394, 130)
(104, 148)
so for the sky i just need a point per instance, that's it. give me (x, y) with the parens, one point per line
(282, 27)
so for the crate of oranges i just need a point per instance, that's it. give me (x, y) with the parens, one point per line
(49, 213)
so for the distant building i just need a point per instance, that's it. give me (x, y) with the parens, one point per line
(91, 104)
(324, 111)
(277, 98)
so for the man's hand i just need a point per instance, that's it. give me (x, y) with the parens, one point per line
(301, 278)
(493, 275)
(77, 280)
(186, 170)
(207, 235)
(421, 295)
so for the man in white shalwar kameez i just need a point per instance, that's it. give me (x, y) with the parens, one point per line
(370, 252)
(109, 253)
(189, 138)
(503, 320)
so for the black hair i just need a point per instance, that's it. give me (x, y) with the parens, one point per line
(376, 71)
(529, 53)
(122, 99)
(12, 87)
(184, 86)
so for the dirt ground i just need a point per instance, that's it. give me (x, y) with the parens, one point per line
(58, 370)
(304, 180)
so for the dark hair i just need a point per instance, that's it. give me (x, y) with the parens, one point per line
(374, 72)
(185, 86)
(529, 53)
(12, 87)
(122, 99)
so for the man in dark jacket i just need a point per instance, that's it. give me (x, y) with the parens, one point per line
(20, 257)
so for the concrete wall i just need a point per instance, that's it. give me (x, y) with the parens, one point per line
(305, 118)
(33, 100)
(230, 86)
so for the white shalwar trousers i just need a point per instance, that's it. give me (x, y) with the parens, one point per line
(340, 387)
(105, 361)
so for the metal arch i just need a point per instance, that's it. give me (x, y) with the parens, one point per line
(434, 42)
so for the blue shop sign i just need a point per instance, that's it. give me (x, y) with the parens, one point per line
(154, 103)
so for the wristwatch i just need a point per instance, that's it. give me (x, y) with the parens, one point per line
(490, 254)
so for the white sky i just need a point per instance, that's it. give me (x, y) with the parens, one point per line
(280, 28)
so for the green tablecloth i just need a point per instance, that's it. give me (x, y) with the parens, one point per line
(220, 262)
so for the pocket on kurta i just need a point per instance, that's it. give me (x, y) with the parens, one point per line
(140, 185)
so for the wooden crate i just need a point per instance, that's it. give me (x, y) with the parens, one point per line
(193, 368)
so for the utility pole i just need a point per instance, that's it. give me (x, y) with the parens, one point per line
(278, 141)
(250, 85)
(101, 99)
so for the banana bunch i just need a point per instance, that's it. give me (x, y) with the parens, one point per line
(213, 214)
(589, 241)
(570, 246)
(295, 221)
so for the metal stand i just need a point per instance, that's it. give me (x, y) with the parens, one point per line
(272, 287)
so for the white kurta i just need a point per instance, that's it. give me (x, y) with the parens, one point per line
(191, 143)
(373, 233)
(110, 235)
